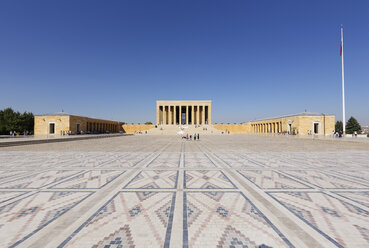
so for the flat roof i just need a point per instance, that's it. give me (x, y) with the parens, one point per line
(292, 115)
(68, 114)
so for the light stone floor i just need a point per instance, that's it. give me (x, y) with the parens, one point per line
(156, 191)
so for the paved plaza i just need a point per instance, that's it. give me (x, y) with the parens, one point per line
(161, 191)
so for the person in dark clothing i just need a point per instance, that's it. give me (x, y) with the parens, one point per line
(198, 136)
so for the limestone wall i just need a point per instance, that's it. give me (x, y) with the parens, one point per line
(232, 128)
(136, 128)
(306, 123)
(42, 124)
(69, 123)
(298, 124)
(100, 125)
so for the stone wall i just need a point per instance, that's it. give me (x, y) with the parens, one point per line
(136, 128)
(42, 125)
(298, 124)
(69, 123)
(232, 128)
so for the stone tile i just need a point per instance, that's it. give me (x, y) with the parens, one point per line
(23, 218)
(166, 160)
(197, 160)
(155, 179)
(129, 219)
(8, 195)
(268, 179)
(38, 180)
(341, 223)
(325, 180)
(359, 197)
(94, 179)
(207, 179)
(226, 219)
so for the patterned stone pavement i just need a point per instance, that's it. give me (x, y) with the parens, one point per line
(154, 191)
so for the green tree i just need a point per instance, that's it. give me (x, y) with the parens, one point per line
(339, 126)
(15, 121)
(352, 125)
(148, 123)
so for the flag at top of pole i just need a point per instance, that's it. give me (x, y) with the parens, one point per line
(343, 86)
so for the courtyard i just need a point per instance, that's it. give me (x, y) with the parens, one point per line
(162, 191)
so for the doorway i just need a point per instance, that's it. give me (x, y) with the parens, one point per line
(316, 128)
(51, 128)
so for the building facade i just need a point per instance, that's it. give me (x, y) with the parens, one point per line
(300, 124)
(183, 112)
(57, 124)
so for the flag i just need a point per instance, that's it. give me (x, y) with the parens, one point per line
(341, 49)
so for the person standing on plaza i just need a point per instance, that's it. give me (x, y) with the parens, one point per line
(194, 137)
(11, 133)
(198, 136)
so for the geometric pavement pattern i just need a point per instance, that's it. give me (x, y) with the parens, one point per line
(227, 219)
(26, 216)
(325, 180)
(268, 179)
(89, 180)
(341, 222)
(38, 180)
(119, 222)
(220, 191)
(154, 180)
(207, 179)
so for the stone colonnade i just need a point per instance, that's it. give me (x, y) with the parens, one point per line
(183, 112)
(102, 127)
(267, 127)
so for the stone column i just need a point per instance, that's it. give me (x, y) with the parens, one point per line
(203, 115)
(280, 127)
(209, 114)
(192, 115)
(160, 116)
(170, 115)
(180, 115)
(175, 115)
(164, 115)
(187, 114)
(198, 114)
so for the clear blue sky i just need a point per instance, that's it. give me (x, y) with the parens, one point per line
(254, 59)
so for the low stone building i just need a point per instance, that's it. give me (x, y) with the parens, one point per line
(57, 124)
(305, 123)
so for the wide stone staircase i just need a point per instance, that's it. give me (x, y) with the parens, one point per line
(184, 130)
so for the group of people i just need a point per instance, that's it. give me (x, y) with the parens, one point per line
(14, 133)
(339, 134)
(63, 133)
(189, 137)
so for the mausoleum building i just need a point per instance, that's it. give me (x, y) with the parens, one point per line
(183, 112)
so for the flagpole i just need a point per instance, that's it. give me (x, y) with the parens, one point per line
(343, 87)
